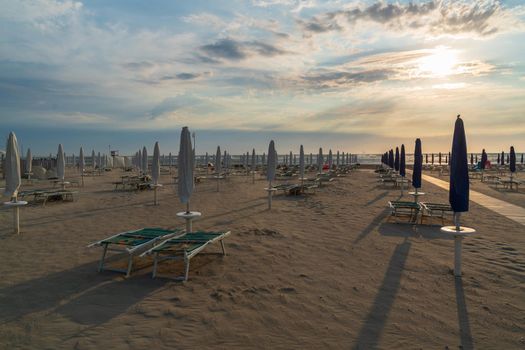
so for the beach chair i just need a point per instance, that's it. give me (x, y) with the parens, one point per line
(403, 208)
(184, 248)
(435, 210)
(131, 243)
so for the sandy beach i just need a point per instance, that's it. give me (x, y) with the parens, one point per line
(328, 271)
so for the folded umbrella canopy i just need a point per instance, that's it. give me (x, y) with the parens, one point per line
(391, 158)
(93, 159)
(484, 159)
(459, 178)
(144, 161)
(270, 170)
(512, 159)
(418, 165)
(29, 162)
(155, 165)
(61, 163)
(13, 179)
(185, 168)
(396, 160)
(502, 158)
(330, 159)
(301, 163)
(320, 160)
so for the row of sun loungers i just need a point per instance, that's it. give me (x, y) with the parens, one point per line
(44, 196)
(174, 245)
(412, 210)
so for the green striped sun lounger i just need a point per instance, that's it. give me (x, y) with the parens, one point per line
(184, 248)
(131, 243)
(435, 210)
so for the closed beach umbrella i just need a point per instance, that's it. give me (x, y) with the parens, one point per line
(99, 160)
(301, 163)
(185, 168)
(337, 159)
(432, 158)
(521, 158)
(144, 161)
(396, 160)
(29, 162)
(508, 159)
(155, 165)
(81, 161)
(418, 160)
(272, 162)
(484, 159)
(426, 158)
(448, 159)
(93, 160)
(459, 178)
(330, 159)
(218, 166)
(312, 159)
(61, 163)
(402, 162)
(12, 168)
(291, 157)
(391, 158)
(499, 159)
(253, 159)
(439, 158)
(320, 160)
(472, 158)
(512, 159)
(502, 158)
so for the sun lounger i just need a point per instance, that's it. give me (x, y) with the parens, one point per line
(402, 208)
(435, 210)
(45, 196)
(131, 243)
(184, 248)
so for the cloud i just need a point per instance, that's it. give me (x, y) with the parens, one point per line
(234, 50)
(481, 18)
(332, 79)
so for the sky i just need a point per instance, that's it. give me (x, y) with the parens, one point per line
(359, 76)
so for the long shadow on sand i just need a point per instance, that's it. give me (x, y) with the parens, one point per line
(81, 294)
(375, 321)
(464, 324)
(373, 224)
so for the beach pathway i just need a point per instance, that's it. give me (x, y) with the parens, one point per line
(509, 210)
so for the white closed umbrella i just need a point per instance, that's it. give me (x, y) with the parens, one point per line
(301, 164)
(291, 158)
(93, 160)
(337, 159)
(99, 161)
(139, 161)
(81, 164)
(207, 160)
(185, 166)
(29, 163)
(218, 166)
(330, 160)
(61, 163)
(144, 161)
(311, 159)
(13, 179)
(73, 159)
(155, 171)
(12, 168)
(253, 165)
(320, 160)
(170, 161)
(263, 158)
(270, 171)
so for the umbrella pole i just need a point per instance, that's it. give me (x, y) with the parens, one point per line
(269, 195)
(155, 195)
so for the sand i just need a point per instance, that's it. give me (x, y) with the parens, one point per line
(326, 272)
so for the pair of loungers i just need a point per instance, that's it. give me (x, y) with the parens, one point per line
(411, 210)
(172, 245)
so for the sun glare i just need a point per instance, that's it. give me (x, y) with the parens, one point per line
(441, 62)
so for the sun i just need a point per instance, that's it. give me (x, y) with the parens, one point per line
(441, 62)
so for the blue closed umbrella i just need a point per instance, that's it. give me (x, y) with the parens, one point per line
(396, 159)
(439, 158)
(402, 162)
(484, 159)
(502, 158)
(418, 164)
(459, 179)
(512, 160)
(391, 158)
(432, 158)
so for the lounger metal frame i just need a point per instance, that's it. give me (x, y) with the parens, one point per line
(130, 250)
(185, 256)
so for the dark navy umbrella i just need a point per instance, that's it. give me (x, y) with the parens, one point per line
(396, 159)
(476, 159)
(499, 161)
(522, 158)
(426, 158)
(512, 160)
(484, 159)
(448, 159)
(502, 158)
(472, 158)
(418, 164)
(391, 158)
(439, 158)
(432, 158)
(459, 179)
(402, 162)
(508, 159)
